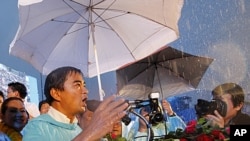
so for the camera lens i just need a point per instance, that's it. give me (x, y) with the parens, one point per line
(126, 120)
(156, 118)
(204, 107)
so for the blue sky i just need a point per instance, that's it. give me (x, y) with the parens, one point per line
(216, 29)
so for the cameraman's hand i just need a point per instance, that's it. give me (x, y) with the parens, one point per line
(167, 107)
(216, 119)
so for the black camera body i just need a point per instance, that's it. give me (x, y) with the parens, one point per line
(204, 107)
(156, 114)
(151, 106)
(126, 120)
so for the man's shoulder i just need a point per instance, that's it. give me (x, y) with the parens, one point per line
(242, 118)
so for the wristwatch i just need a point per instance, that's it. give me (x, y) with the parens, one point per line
(172, 115)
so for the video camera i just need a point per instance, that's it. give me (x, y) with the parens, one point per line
(204, 107)
(151, 106)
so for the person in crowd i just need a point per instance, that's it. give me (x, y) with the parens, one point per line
(14, 118)
(172, 122)
(2, 98)
(233, 95)
(43, 107)
(66, 92)
(17, 89)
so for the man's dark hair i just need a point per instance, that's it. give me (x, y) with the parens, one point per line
(233, 89)
(20, 87)
(56, 80)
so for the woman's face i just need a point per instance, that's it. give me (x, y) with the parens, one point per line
(15, 116)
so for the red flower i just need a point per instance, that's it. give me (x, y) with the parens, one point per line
(227, 130)
(218, 134)
(192, 123)
(191, 127)
(113, 136)
(183, 139)
(204, 137)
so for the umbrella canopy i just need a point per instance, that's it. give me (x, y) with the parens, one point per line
(96, 36)
(56, 33)
(168, 72)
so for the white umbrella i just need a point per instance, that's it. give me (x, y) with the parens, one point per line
(96, 36)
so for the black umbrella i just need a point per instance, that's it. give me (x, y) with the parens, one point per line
(169, 72)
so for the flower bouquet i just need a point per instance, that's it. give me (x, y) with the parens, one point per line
(200, 130)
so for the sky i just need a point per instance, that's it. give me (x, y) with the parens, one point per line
(216, 29)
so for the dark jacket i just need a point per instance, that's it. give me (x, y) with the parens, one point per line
(240, 119)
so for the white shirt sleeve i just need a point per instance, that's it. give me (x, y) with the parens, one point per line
(32, 109)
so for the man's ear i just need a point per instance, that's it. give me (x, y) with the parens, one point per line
(240, 106)
(16, 93)
(55, 94)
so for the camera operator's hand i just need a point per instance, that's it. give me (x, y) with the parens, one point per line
(216, 119)
(167, 107)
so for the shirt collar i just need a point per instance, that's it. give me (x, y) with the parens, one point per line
(60, 117)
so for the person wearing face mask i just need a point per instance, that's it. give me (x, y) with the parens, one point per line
(14, 118)
(233, 95)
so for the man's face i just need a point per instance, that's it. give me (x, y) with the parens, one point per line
(73, 98)
(11, 92)
(16, 116)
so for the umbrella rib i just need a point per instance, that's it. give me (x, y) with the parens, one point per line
(170, 69)
(76, 10)
(104, 20)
